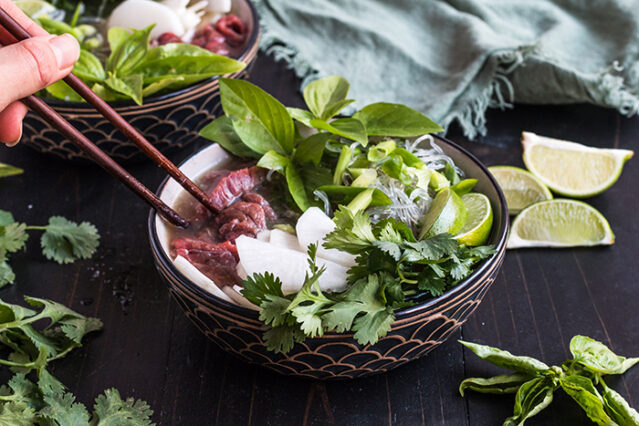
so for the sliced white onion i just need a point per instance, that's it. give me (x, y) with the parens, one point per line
(139, 14)
(290, 266)
(239, 299)
(312, 227)
(219, 6)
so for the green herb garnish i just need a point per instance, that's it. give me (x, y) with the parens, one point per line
(391, 266)
(581, 378)
(63, 241)
(44, 400)
(297, 143)
(133, 69)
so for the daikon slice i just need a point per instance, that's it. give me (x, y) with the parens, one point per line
(290, 266)
(193, 274)
(264, 235)
(239, 299)
(139, 14)
(284, 239)
(312, 227)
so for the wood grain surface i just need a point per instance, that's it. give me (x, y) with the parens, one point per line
(149, 350)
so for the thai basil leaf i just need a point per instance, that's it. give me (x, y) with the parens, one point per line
(327, 96)
(274, 161)
(106, 94)
(597, 357)
(343, 161)
(315, 177)
(504, 383)
(5, 171)
(130, 86)
(345, 194)
(386, 119)
(349, 128)
(296, 187)
(301, 115)
(176, 49)
(311, 149)
(191, 68)
(532, 397)
(53, 26)
(165, 84)
(61, 90)
(128, 49)
(505, 359)
(221, 131)
(617, 408)
(582, 390)
(259, 119)
(89, 68)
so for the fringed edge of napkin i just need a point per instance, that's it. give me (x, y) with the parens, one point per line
(607, 89)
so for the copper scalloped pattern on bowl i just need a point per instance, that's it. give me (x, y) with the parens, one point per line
(170, 122)
(416, 331)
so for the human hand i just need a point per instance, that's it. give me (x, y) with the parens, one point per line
(27, 67)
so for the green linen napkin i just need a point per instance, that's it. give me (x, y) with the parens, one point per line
(453, 59)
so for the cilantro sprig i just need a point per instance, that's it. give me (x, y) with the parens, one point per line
(44, 399)
(63, 241)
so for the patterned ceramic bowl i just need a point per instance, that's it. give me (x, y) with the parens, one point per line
(416, 331)
(170, 121)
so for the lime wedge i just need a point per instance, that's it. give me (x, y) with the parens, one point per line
(560, 223)
(479, 222)
(35, 8)
(447, 214)
(572, 169)
(520, 187)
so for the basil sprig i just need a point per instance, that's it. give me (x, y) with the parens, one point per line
(134, 70)
(301, 144)
(581, 378)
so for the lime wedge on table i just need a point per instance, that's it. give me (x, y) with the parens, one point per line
(35, 8)
(479, 222)
(560, 223)
(447, 214)
(572, 169)
(520, 187)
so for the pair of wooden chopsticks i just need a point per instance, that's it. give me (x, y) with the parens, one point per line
(106, 162)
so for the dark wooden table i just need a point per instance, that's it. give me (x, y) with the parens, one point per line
(149, 350)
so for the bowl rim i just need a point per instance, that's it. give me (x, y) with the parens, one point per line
(253, 39)
(402, 313)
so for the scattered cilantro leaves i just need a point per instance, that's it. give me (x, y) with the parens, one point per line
(46, 400)
(63, 241)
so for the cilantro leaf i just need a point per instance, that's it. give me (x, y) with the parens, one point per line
(257, 287)
(13, 238)
(274, 310)
(60, 405)
(112, 410)
(6, 218)
(6, 274)
(283, 337)
(65, 241)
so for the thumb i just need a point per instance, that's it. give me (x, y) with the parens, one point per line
(34, 64)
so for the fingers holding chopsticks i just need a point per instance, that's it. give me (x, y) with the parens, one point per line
(27, 67)
(15, 12)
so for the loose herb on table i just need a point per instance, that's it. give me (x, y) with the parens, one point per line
(534, 382)
(33, 395)
(63, 241)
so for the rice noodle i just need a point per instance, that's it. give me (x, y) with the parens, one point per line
(434, 157)
(404, 208)
(323, 197)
